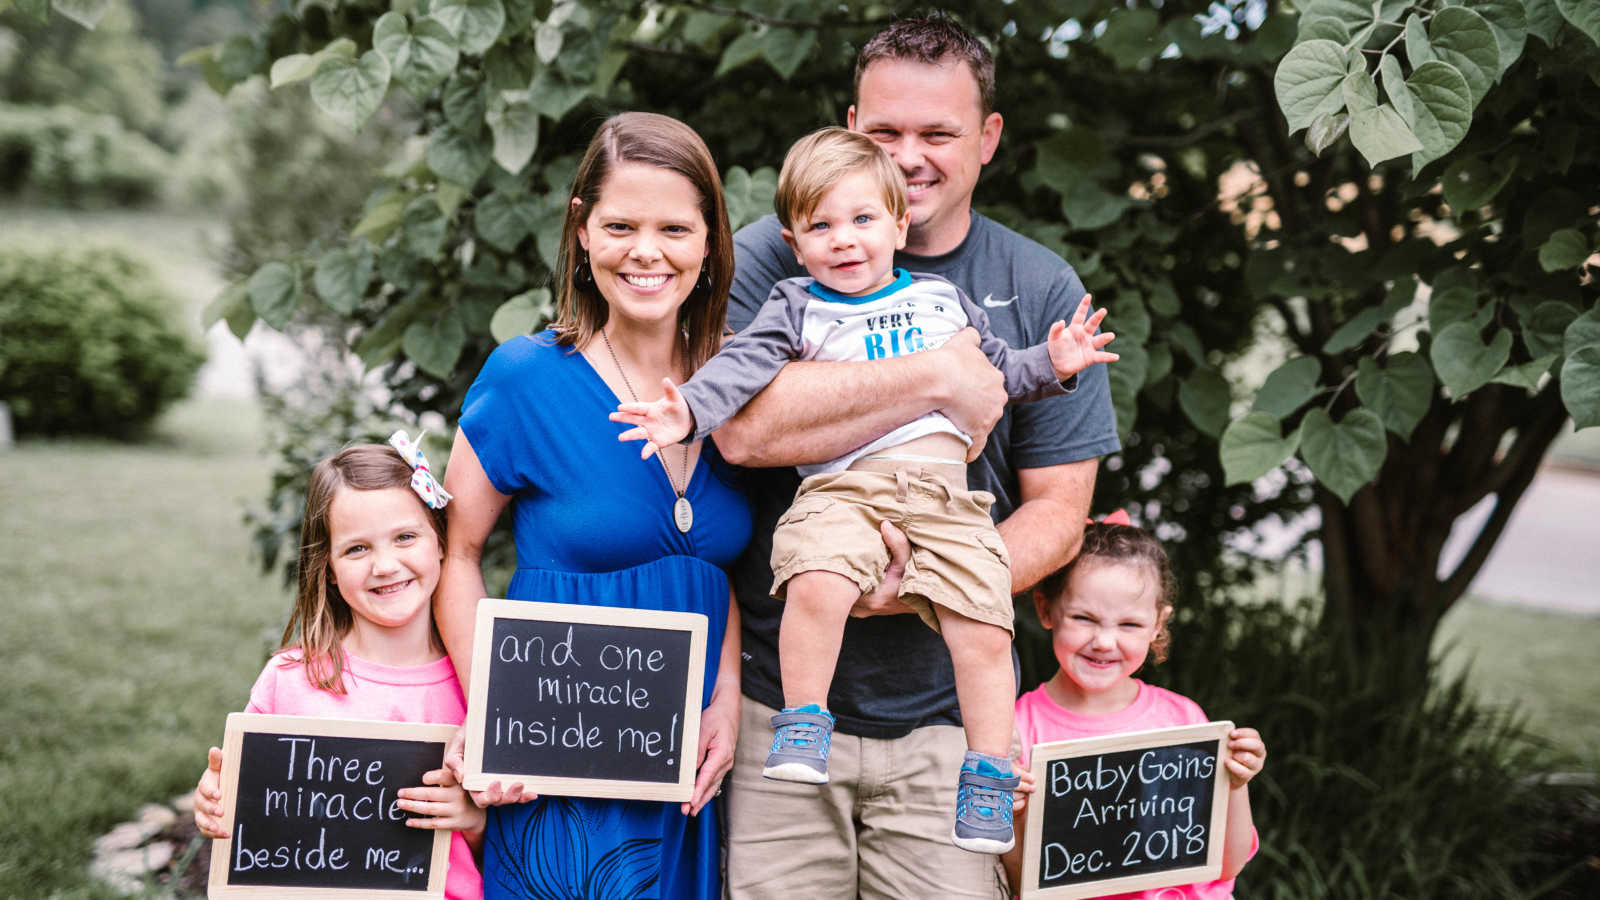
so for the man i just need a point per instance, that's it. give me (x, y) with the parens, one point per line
(881, 826)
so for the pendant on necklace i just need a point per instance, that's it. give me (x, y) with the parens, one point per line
(683, 514)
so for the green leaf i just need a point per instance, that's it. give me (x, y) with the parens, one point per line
(1448, 305)
(380, 342)
(748, 194)
(351, 90)
(1464, 39)
(38, 10)
(521, 314)
(1400, 392)
(1580, 386)
(456, 157)
(1127, 317)
(1527, 375)
(85, 12)
(231, 306)
(1544, 20)
(1306, 79)
(1360, 92)
(1204, 399)
(1129, 36)
(547, 42)
(553, 96)
(292, 68)
(1463, 361)
(421, 57)
(510, 67)
(1358, 328)
(1584, 332)
(381, 218)
(742, 49)
(1418, 50)
(1183, 337)
(274, 293)
(1543, 328)
(1510, 24)
(1087, 206)
(1472, 182)
(1325, 130)
(1345, 457)
(463, 103)
(1394, 87)
(1160, 363)
(1253, 446)
(197, 56)
(1127, 378)
(342, 276)
(1380, 134)
(1583, 14)
(240, 57)
(475, 24)
(504, 219)
(1324, 28)
(1163, 299)
(425, 226)
(1565, 249)
(515, 125)
(786, 50)
(1442, 109)
(1355, 14)
(435, 346)
(1288, 387)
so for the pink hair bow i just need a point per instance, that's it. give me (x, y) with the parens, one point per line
(1120, 517)
(422, 480)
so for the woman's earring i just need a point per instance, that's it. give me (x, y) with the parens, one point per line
(582, 275)
(704, 283)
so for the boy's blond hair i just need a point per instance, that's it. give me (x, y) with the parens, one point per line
(821, 160)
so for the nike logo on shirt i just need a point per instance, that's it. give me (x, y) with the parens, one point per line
(989, 300)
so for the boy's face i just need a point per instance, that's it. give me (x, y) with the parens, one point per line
(847, 243)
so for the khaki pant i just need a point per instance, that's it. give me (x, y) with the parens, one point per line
(880, 828)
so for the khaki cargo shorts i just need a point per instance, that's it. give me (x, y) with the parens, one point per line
(957, 558)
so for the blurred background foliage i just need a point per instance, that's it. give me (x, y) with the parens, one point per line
(390, 177)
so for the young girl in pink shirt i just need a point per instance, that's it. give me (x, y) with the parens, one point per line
(1107, 611)
(360, 643)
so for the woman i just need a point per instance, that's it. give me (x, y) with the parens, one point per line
(646, 263)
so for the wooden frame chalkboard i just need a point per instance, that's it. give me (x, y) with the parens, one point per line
(359, 762)
(585, 701)
(1126, 812)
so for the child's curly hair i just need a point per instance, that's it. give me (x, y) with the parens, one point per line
(1126, 544)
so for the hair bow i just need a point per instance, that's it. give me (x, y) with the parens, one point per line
(422, 480)
(1120, 517)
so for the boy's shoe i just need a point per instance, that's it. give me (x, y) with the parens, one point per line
(800, 745)
(983, 806)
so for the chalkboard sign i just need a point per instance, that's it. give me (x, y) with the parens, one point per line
(587, 701)
(1126, 812)
(310, 809)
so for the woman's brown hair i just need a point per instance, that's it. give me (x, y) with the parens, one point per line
(1126, 545)
(321, 616)
(666, 143)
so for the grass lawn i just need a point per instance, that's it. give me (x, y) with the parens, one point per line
(136, 621)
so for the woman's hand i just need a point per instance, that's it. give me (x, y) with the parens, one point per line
(496, 794)
(1247, 754)
(208, 811)
(719, 732)
(442, 804)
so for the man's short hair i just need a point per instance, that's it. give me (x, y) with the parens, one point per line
(935, 40)
(821, 160)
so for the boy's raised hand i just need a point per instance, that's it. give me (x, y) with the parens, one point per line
(208, 798)
(659, 423)
(1247, 753)
(1076, 347)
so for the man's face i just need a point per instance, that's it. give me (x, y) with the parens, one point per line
(930, 119)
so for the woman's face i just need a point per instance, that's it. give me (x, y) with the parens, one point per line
(646, 241)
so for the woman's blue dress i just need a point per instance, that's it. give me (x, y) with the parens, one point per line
(593, 525)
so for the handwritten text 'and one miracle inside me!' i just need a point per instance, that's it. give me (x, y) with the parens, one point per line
(586, 700)
(323, 811)
(1119, 814)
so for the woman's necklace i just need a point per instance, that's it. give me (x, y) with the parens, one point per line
(682, 512)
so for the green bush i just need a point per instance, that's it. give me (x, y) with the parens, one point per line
(1374, 786)
(63, 155)
(89, 343)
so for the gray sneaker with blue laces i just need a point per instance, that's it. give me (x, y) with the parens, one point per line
(983, 805)
(800, 745)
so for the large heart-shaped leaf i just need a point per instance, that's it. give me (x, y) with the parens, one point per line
(1346, 456)
(505, 218)
(455, 157)
(435, 346)
(1583, 14)
(521, 314)
(231, 306)
(1580, 386)
(1307, 80)
(1544, 19)
(749, 194)
(554, 96)
(1289, 387)
(514, 121)
(1127, 378)
(475, 24)
(1464, 39)
(1418, 50)
(1543, 327)
(1253, 446)
(1464, 362)
(547, 42)
(1399, 392)
(1204, 399)
(1442, 109)
(1583, 332)
(420, 56)
(275, 293)
(342, 276)
(350, 90)
(1472, 182)
(786, 49)
(1509, 20)
(1527, 375)
(1565, 249)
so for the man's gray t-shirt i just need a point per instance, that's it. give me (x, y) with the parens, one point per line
(894, 673)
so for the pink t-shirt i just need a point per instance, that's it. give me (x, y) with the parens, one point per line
(427, 693)
(1041, 720)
